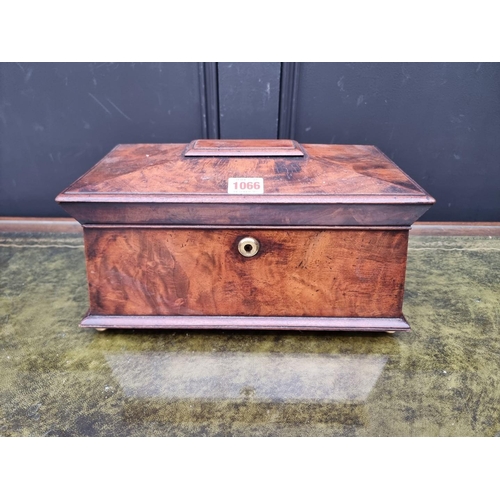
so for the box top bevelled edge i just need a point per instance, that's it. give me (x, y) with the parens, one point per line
(352, 178)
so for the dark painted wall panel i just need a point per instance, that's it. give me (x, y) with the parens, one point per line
(58, 120)
(249, 100)
(439, 122)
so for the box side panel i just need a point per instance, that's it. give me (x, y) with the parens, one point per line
(191, 272)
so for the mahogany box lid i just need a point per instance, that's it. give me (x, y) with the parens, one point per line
(245, 182)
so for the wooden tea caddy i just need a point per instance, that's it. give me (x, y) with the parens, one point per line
(254, 234)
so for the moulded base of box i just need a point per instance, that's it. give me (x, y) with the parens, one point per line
(247, 323)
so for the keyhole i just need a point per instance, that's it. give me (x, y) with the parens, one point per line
(248, 246)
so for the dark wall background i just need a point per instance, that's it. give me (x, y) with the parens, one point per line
(439, 122)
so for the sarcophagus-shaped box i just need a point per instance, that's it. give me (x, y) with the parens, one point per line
(260, 234)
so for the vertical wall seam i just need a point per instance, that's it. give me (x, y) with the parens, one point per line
(203, 100)
(288, 98)
(209, 90)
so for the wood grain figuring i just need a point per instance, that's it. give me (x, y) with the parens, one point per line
(330, 185)
(161, 235)
(342, 170)
(318, 273)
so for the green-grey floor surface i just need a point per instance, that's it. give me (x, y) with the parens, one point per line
(441, 379)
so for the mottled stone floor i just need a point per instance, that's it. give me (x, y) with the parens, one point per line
(441, 379)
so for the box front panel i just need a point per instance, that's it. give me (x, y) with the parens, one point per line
(296, 272)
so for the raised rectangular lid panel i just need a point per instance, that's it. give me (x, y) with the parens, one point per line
(260, 147)
(327, 173)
